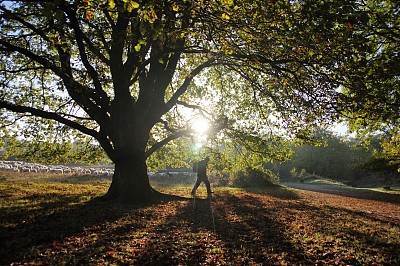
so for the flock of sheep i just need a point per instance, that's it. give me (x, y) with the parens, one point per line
(19, 166)
(173, 175)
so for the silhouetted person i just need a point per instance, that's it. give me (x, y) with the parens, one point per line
(201, 169)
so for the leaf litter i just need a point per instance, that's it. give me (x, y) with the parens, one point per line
(273, 226)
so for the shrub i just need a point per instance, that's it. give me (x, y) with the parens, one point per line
(220, 179)
(251, 177)
(303, 173)
(293, 172)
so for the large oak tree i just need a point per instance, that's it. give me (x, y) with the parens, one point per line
(122, 72)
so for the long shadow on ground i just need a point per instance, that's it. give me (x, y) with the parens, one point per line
(247, 225)
(235, 228)
(276, 191)
(48, 224)
(229, 229)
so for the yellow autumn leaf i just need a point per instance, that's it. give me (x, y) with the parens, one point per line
(131, 5)
(175, 7)
(227, 2)
(134, 4)
(225, 16)
(111, 3)
(137, 47)
(228, 52)
(150, 16)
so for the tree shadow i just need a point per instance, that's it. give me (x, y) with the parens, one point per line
(51, 217)
(340, 235)
(49, 222)
(247, 222)
(276, 191)
(228, 228)
(245, 230)
(240, 228)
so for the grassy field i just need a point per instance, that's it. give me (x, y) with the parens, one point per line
(57, 221)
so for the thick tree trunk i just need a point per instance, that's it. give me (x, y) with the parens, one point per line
(130, 181)
(129, 133)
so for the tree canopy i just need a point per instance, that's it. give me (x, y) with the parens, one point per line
(371, 91)
(134, 75)
(370, 99)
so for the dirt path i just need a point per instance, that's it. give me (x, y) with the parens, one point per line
(386, 206)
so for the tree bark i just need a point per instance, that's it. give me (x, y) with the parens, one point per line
(129, 135)
(130, 182)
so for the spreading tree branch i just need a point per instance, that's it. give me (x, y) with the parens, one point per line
(176, 135)
(99, 136)
(49, 115)
(192, 106)
(182, 89)
(79, 36)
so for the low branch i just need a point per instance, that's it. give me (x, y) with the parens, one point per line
(158, 145)
(77, 117)
(12, 122)
(184, 132)
(49, 115)
(20, 70)
(40, 59)
(25, 23)
(167, 127)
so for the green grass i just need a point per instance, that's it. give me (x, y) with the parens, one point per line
(59, 223)
(24, 201)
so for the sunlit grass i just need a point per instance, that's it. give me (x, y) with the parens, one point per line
(392, 190)
(22, 201)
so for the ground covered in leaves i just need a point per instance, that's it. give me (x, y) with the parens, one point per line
(60, 223)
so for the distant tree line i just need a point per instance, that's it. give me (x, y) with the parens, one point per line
(352, 160)
(346, 159)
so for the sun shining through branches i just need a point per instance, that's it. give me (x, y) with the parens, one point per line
(200, 126)
(132, 66)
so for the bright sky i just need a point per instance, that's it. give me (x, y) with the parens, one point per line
(200, 126)
(341, 129)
